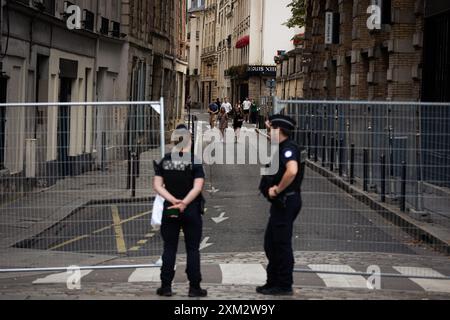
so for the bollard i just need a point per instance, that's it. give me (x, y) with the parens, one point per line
(129, 163)
(403, 188)
(324, 150)
(341, 157)
(133, 174)
(332, 155)
(309, 144)
(366, 170)
(352, 164)
(383, 177)
(316, 147)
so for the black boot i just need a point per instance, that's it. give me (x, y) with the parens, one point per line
(263, 289)
(197, 292)
(165, 291)
(277, 291)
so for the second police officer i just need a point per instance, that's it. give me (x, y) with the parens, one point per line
(283, 190)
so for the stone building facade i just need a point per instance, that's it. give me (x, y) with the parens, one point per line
(125, 50)
(360, 63)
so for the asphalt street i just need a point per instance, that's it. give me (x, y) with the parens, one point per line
(235, 220)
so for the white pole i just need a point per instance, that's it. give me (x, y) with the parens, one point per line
(162, 131)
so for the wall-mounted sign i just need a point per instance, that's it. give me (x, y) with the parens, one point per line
(262, 70)
(329, 27)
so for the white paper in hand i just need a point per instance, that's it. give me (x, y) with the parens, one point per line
(158, 207)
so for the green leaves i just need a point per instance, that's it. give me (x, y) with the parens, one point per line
(298, 9)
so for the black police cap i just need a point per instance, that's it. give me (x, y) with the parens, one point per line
(282, 121)
(181, 127)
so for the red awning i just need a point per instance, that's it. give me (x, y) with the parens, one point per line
(243, 42)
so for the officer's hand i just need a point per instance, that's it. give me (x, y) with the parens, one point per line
(180, 206)
(273, 193)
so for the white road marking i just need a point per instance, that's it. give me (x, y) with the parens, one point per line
(221, 218)
(430, 285)
(336, 280)
(205, 244)
(59, 277)
(145, 275)
(243, 274)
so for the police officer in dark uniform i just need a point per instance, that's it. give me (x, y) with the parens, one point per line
(180, 180)
(283, 191)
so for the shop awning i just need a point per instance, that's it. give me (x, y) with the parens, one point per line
(243, 42)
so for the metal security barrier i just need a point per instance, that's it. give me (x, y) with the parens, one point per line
(393, 156)
(75, 182)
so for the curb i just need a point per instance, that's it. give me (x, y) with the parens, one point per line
(410, 226)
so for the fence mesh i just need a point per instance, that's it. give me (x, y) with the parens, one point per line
(76, 181)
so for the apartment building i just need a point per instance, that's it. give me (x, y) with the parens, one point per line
(195, 23)
(255, 28)
(344, 59)
(208, 68)
(125, 50)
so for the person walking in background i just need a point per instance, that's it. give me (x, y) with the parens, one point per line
(227, 105)
(238, 120)
(213, 111)
(246, 109)
(223, 122)
(254, 112)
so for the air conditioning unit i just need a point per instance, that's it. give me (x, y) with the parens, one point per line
(371, 77)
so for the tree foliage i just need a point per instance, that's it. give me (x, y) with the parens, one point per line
(298, 9)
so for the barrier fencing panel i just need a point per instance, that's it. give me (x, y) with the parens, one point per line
(76, 182)
(396, 153)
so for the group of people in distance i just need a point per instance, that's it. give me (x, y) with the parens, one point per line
(223, 112)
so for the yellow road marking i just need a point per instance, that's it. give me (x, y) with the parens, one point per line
(142, 242)
(120, 240)
(150, 235)
(69, 242)
(134, 249)
(100, 230)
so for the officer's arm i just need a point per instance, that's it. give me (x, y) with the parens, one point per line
(195, 192)
(289, 176)
(158, 186)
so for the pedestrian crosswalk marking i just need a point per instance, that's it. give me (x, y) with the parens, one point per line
(431, 285)
(336, 280)
(145, 275)
(243, 274)
(59, 277)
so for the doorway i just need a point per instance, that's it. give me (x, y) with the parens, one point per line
(65, 95)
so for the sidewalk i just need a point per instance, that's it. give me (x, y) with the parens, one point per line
(35, 212)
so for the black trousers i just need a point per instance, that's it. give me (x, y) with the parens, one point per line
(278, 242)
(192, 224)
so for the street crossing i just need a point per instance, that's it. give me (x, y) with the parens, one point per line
(235, 274)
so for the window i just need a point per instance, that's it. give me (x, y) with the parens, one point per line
(115, 29)
(104, 28)
(88, 20)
